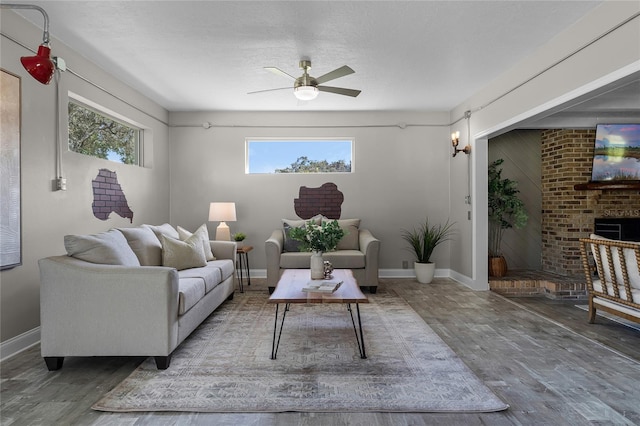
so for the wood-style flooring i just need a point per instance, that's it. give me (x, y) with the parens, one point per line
(540, 356)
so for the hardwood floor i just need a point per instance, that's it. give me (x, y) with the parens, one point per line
(540, 356)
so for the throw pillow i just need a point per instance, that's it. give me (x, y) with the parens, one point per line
(144, 244)
(291, 245)
(107, 248)
(182, 254)
(351, 238)
(203, 233)
(164, 229)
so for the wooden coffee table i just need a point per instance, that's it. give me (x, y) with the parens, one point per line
(289, 290)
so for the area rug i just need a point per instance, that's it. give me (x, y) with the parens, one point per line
(225, 365)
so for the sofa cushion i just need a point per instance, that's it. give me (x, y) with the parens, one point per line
(145, 245)
(164, 229)
(182, 254)
(630, 261)
(342, 259)
(210, 275)
(203, 234)
(345, 259)
(109, 248)
(190, 291)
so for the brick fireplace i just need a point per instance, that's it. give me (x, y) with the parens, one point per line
(569, 214)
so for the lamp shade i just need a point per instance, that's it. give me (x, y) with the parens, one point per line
(222, 212)
(41, 67)
(306, 93)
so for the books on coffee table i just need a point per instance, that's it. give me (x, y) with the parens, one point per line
(322, 286)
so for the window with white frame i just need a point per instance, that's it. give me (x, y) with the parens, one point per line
(96, 133)
(321, 155)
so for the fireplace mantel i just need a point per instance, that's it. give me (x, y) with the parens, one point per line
(634, 184)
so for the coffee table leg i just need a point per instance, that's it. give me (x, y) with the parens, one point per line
(360, 338)
(274, 345)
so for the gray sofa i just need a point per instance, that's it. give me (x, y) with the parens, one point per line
(131, 292)
(358, 251)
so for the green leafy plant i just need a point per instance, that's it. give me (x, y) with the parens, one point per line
(239, 236)
(506, 210)
(426, 238)
(321, 238)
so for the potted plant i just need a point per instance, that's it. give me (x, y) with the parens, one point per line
(506, 211)
(422, 242)
(239, 237)
(318, 239)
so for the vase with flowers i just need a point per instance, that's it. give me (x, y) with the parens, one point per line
(318, 239)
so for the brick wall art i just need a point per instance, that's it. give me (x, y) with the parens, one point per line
(108, 196)
(325, 200)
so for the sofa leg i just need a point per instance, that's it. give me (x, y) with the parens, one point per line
(373, 289)
(231, 296)
(54, 362)
(162, 362)
(271, 290)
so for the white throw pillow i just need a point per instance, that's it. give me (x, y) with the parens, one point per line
(107, 248)
(183, 254)
(145, 245)
(203, 233)
(164, 229)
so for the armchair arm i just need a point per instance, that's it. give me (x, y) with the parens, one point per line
(273, 249)
(88, 309)
(370, 246)
(224, 249)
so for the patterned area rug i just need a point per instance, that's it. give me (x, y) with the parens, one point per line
(225, 365)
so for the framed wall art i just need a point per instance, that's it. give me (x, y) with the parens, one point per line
(10, 198)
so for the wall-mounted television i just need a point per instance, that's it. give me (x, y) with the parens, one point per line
(617, 153)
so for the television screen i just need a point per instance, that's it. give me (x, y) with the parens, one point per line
(617, 152)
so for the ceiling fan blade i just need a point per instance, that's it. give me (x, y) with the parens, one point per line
(332, 75)
(278, 71)
(339, 90)
(269, 90)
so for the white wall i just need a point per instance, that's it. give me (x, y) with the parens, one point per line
(48, 215)
(596, 51)
(401, 175)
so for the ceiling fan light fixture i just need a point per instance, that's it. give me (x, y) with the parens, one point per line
(306, 93)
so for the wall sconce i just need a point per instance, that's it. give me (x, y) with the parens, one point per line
(455, 140)
(223, 212)
(41, 66)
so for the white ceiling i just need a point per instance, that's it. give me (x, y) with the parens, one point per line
(206, 55)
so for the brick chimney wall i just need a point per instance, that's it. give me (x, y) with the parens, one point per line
(568, 214)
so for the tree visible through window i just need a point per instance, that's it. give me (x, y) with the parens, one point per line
(299, 156)
(95, 134)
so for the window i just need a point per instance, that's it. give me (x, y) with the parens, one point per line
(299, 156)
(92, 132)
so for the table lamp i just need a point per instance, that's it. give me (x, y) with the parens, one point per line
(222, 212)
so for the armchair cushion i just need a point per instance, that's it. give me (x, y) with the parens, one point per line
(109, 248)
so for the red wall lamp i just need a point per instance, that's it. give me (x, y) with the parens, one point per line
(41, 66)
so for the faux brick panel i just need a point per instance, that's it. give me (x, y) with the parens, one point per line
(108, 196)
(325, 200)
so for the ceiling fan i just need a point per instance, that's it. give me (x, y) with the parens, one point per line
(307, 87)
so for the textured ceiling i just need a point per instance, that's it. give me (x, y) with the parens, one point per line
(206, 55)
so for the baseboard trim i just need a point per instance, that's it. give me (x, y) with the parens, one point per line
(20, 343)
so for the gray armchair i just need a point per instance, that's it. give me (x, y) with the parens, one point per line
(363, 262)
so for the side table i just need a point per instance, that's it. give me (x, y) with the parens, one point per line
(243, 260)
